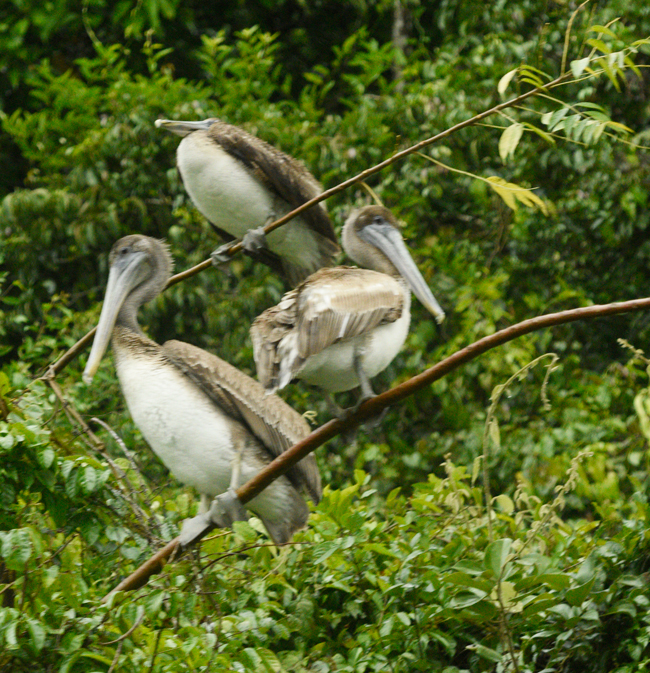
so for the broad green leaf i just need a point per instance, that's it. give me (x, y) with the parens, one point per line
(465, 599)
(508, 596)
(325, 549)
(36, 634)
(612, 74)
(381, 549)
(542, 134)
(577, 596)
(552, 119)
(496, 556)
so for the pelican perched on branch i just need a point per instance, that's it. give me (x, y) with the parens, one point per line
(342, 326)
(199, 414)
(240, 183)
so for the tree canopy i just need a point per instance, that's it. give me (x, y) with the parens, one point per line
(495, 521)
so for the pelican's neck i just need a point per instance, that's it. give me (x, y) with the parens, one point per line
(146, 291)
(128, 317)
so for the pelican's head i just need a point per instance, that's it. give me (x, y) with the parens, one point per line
(371, 237)
(140, 267)
(183, 129)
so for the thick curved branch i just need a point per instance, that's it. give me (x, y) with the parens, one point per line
(374, 406)
(85, 341)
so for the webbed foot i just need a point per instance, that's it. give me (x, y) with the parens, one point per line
(255, 240)
(220, 255)
(224, 511)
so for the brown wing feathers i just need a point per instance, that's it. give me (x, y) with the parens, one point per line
(332, 305)
(269, 418)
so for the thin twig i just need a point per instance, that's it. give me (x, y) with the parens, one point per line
(124, 636)
(130, 497)
(372, 407)
(118, 651)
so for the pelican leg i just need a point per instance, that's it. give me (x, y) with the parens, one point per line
(224, 511)
(221, 513)
(220, 255)
(255, 240)
(367, 392)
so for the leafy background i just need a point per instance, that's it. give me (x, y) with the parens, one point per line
(409, 563)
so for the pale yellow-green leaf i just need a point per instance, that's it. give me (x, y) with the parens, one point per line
(500, 186)
(616, 60)
(495, 435)
(619, 126)
(508, 596)
(476, 468)
(509, 140)
(505, 503)
(512, 193)
(641, 408)
(505, 81)
(579, 66)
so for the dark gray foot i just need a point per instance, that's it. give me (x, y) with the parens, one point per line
(255, 240)
(220, 255)
(225, 510)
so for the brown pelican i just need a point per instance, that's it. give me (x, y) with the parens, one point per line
(342, 326)
(197, 412)
(240, 183)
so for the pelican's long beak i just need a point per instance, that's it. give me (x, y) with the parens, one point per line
(388, 239)
(125, 274)
(183, 128)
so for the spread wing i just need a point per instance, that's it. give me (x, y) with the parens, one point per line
(332, 305)
(275, 424)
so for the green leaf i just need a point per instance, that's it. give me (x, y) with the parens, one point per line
(493, 431)
(599, 45)
(552, 119)
(36, 634)
(601, 29)
(325, 549)
(576, 597)
(496, 556)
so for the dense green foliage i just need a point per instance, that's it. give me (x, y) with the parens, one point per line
(415, 560)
